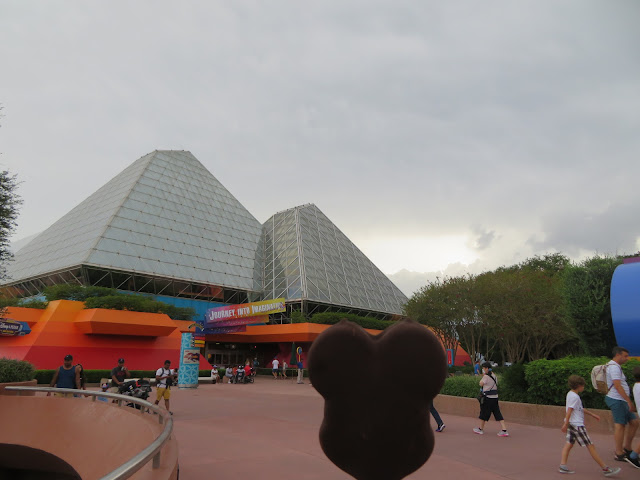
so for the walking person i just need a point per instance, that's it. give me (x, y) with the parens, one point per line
(274, 368)
(165, 378)
(437, 418)
(489, 405)
(67, 376)
(575, 430)
(284, 369)
(625, 421)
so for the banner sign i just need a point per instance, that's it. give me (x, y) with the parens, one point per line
(243, 310)
(237, 321)
(13, 327)
(233, 329)
(198, 340)
(189, 362)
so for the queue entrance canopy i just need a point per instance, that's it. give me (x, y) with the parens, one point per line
(10, 327)
(235, 318)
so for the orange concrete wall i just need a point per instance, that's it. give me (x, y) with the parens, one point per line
(97, 337)
(57, 333)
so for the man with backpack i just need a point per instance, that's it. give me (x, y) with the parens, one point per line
(165, 377)
(622, 408)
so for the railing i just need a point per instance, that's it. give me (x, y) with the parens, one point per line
(140, 460)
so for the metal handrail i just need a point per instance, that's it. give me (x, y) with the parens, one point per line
(127, 469)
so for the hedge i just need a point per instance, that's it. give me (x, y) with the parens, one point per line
(22, 302)
(547, 379)
(331, 318)
(542, 381)
(111, 299)
(137, 303)
(78, 293)
(15, 370)
(461, 386)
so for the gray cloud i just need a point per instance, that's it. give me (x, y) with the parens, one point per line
(410, 118)
(614, 229)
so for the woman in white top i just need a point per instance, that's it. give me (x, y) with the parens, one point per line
(489, 405)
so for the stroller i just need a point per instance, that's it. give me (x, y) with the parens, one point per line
(246, 378)
(137, 389)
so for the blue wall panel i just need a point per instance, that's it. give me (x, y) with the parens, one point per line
(625, 306)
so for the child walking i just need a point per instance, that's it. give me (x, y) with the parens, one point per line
(574, 427)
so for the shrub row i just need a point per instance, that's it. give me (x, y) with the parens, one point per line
(15, 370)
(138, 303)
(22, 302)
(547, 379)
(542, 381)
(331, 318)
(76, 292)
(111, 299)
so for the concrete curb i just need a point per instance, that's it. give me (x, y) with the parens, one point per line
(550, 416)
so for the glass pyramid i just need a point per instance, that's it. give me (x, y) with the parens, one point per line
(306, 257)
(165, 215)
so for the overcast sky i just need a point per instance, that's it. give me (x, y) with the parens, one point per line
(438, 136)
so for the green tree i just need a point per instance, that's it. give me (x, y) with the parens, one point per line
(588, 287)
(526, 311)
(9, 203)
(436, 305)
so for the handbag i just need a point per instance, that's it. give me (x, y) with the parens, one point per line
(481, 398)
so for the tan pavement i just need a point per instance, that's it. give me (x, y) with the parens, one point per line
(269, 430)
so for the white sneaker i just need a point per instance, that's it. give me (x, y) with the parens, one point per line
(610, 472)
(565, 469)
(479, 431)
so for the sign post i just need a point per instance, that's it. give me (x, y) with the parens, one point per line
(189, 362)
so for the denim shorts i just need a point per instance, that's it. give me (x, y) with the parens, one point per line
(620, 411)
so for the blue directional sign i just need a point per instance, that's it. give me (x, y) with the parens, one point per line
(13, 327)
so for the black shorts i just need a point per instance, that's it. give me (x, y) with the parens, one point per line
(490, 406)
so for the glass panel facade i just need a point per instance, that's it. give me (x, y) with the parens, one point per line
(165, 215)
(306, 255)
(165, 223)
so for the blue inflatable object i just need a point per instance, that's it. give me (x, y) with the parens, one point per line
(625, 306)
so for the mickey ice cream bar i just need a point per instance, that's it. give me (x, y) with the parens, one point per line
(377, 392)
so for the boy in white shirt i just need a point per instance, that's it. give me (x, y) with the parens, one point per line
(574, 427)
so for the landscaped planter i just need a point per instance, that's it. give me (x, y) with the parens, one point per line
(523, 413)
(28, 383)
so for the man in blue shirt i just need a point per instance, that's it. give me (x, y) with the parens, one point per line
(67, 376)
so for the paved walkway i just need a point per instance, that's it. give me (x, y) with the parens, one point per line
(269, 430)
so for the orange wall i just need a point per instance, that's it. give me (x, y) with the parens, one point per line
(97, 338)
(65, 327)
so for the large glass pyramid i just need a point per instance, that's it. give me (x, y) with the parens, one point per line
(165, 215)
(307, 258)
